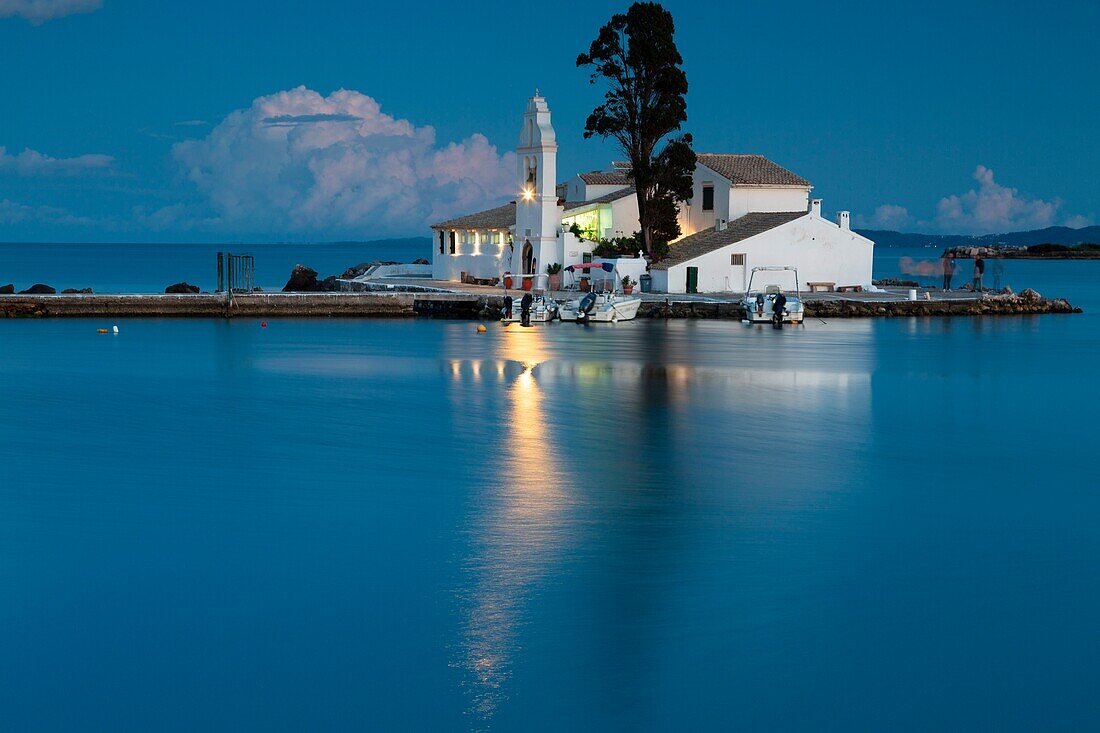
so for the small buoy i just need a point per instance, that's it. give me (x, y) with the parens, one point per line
(114, 328)
(263, 324)
(101, 330)
(481, 328)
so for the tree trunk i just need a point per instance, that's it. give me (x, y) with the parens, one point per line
(643, 221)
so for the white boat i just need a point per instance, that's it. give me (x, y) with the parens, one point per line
(601, 308)
(606, 307)
(759, 302)
(543, 308)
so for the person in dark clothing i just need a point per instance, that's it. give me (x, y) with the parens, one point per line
(778, 304)
(525, 309)
(948, 269)
(998, 273)
(507, 308)
(979, 272)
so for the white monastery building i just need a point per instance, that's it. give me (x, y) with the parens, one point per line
(745, 212)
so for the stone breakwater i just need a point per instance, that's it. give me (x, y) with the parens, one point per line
(868, 309)
(256, 305)
(471, 306)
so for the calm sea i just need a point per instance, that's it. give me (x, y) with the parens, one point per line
(403, 525)
(149, 268)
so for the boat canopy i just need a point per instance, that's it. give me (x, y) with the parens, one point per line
(606, 266)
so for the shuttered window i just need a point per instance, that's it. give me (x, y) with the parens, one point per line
(737, 258)
(708, 198)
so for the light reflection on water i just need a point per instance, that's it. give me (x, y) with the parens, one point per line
(644, 526)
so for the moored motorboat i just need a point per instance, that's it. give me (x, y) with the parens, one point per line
(601, 308)
(610, 306)
(541, 307)
(760, 304)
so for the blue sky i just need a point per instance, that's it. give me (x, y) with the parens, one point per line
(137, 121)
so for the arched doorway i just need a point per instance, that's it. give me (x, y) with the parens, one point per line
(528, 258)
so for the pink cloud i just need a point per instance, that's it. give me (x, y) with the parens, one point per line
(989, 208)
(338, 165)
(33, 163)
(39, 11)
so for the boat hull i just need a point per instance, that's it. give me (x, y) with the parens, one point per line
(543, 311)
(605, 311)
(792, 313)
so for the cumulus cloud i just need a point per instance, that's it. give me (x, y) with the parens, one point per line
(33, 163)
(992, 207)
(14, 212)
(39, 11)
(987, 209)
(298, 161)
(887, 216)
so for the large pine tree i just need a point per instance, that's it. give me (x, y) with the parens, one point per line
(636, 55)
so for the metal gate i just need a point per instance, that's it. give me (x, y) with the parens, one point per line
(236, 273)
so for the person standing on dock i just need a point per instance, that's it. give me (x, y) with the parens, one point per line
(979, 272)
(948, 269)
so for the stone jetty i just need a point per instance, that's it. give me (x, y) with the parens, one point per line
(484, 306)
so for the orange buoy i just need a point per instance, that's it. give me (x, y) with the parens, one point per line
(101, 330)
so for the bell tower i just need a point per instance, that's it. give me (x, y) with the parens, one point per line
(538, 217)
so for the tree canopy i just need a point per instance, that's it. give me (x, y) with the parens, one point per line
(636, 55)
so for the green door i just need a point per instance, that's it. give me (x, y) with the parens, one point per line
(693, 280)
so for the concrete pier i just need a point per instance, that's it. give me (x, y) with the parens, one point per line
(472, 303)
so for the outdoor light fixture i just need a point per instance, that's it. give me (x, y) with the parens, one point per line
(528, 194)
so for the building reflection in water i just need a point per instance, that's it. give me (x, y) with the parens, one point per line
(529, 517)
(515, 520)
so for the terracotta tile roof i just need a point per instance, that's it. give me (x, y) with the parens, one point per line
(501, 217)
(607, 198)
(603, 178)
(750, 170)
(708, 240)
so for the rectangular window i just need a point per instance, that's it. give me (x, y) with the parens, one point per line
(737, 259)
(454, 243)
(708, 198)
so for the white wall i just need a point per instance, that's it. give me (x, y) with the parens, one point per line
(577, 190)
(731, 202)
(744, 200)
(822, 252)
(624, 217)
(692, 217)
(574, 249)
(631, 267)
(492, 259)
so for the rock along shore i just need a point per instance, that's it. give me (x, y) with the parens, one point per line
(469, 306)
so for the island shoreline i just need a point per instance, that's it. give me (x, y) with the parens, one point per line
(476, 307)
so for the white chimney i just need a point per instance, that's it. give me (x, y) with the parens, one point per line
(815, 207)
(719, 225)
(842, 220)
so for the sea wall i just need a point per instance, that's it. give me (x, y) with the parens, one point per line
(467, 306)
(287, 305)
(993, 306)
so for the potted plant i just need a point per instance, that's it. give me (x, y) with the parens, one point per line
(628, 285)
(528, 282)
(554, 271)
(507, 281)
(584, 284)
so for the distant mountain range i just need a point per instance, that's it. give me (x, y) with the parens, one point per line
(1050, 235)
